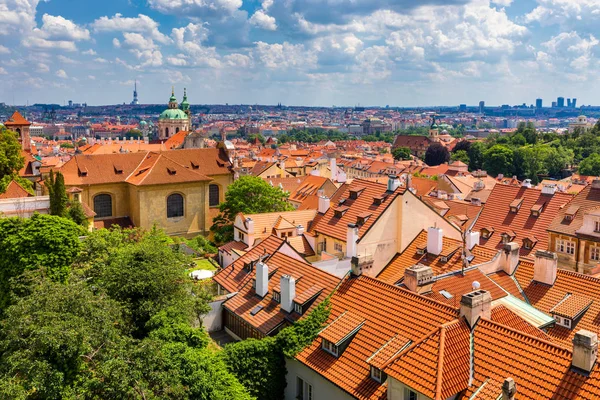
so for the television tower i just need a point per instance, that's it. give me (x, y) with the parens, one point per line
(135, 96)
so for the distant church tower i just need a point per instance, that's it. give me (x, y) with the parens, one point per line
(174, 119)
(17, 123)
(135, 101)
(434, 131)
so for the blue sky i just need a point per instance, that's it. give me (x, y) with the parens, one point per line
(300, 52)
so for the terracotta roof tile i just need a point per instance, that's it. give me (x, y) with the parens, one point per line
(458, 284)
(14, 191)
(506, 317)
(16, 120)
(389, 350)
(572, 306)
(497, 215)
(342, 327)
(588, 198)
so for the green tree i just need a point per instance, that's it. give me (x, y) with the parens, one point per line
(11, 161)
(590, 166)
(253, 195)
(475, 152)
(401, 153)
(58, 194)
(436, 154)
(460, 155)
(464, 145)
(42, 241)
(498, 159)
(76, 214)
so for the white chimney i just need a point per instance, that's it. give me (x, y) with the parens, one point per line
(527, 183)
(596, 184)
(475, 305)
(333, 167)
(299, 230)
(510, 257)
(418, 278)
(472, 239)
(476, 201)
(282, 164)
(549, 189)
(435, 240)
(250, 226)
(585, 350)
(323, 204)
(262, 279)
(545, 267)
(341, 178)
(393, 183)
(351, 239)
(288, 293)
(315, 172)
(509, 389)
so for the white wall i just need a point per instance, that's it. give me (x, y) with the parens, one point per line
(24, 207)
(396, 390)
(335, 266)
(322, 388)
(213, 321)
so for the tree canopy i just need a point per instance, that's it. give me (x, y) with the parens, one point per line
(401, 153)
(436, 154)
(11, 160)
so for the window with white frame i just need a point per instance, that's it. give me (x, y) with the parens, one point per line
(330, 347)
(277, 297)
(298, 308)
(566, 322)
(376, 374)
(304, 390)
(596, 226)
(565, 246)
(337, 247)
(595, 253)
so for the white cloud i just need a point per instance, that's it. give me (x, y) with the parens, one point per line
(137, 41)
(570, 14)
(188, 40)
(140, 24)
(40, 43)
(101, 60)
(91, 77)
(62, 74)
(17, 16)
(90, 52)
(66, 60)
(280, 56)
(503, 3)
(264, 21)
(196, 7)
(570, 52)
(41, 67)
(4, 50)
(176, 61)
(116, 43)
(238, 60)
(3, 71)
(60, 28)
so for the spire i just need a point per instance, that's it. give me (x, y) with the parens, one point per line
(173, 99)
(185, 105)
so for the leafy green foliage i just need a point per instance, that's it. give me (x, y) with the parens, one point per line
(590, 166)
(498, 159)
(202, 245)
(460, 155)
(58, 194)
(11, 160)
(42, 241)
(296, 337)
(76, 214)
(401, 153)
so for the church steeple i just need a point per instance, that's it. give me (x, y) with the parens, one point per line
(185, 105)
(173, 99)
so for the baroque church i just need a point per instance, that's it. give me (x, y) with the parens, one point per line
(174, 119)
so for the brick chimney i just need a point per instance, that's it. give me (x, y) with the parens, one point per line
(418, 278)
(288, 293)
(475, 305)
(545, 267)
(510, 257)
(262, 279)
(509, 389)
(585, 351)
(435, 240)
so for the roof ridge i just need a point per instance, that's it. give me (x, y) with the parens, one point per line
(518, 332)
(579, 275)
(137, 166)
(440, 366)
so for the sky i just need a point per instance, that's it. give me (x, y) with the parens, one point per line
(300, 52)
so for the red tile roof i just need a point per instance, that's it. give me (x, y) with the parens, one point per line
(389, 311)
(587, 199)
(497, 214)
(458, 284)
(330, 225)
(16, 120)
(14, 191)
(341, 327)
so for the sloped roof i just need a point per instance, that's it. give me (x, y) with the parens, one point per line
(497, 214)
(328, 224)
(545, 298)
(14, 191)
(388, 311)
(588, 198)
(271, 315)
(458, 284)
(16, 120)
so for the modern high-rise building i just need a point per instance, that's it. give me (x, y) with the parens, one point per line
(574, 103)
(462, 108)
(135, 95)
(569, 103)
(538, 103)
(560, 102)
(481, 107)
(554, 104)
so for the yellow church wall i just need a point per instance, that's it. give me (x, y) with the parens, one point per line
(119, 193)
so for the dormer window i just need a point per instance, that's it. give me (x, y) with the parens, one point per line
(566, 322)
(421, 250)
(376, 374)
(596, 226)
(529, 242)
(354, 193)
(378, 200)
(515, 205)
(340, 211)
(329, 347)
(298, 308)
(277, 297)
(361, 219)
(486, 233)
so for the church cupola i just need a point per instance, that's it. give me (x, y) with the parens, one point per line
(185, 105)
(173, 100)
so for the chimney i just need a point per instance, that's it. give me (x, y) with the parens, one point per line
(250, 226)
(435, 240)
(282, 165)
(585, 350)
(315, 172)
(418, 278)
(527, 183)
(393, 183)
(545, 267)
(475, 305)
(262, 279)
(476, 201)
(596, 184)
(510, 257)
(472, 239)
(323, 204)
(288, 293)
(509, 389)
(549, 189)
(333, 167)
(351, 239)
(299, 230)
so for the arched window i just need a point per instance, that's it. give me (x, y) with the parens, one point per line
(176, 130)
(213, 195)
(166, 132)
(175, 205)
(103, 205)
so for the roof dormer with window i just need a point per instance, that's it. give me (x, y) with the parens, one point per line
(336, 336)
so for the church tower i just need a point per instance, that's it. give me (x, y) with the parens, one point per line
(17, 123)
(174, 120)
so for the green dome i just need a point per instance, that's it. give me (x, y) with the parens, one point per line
(172, 113)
